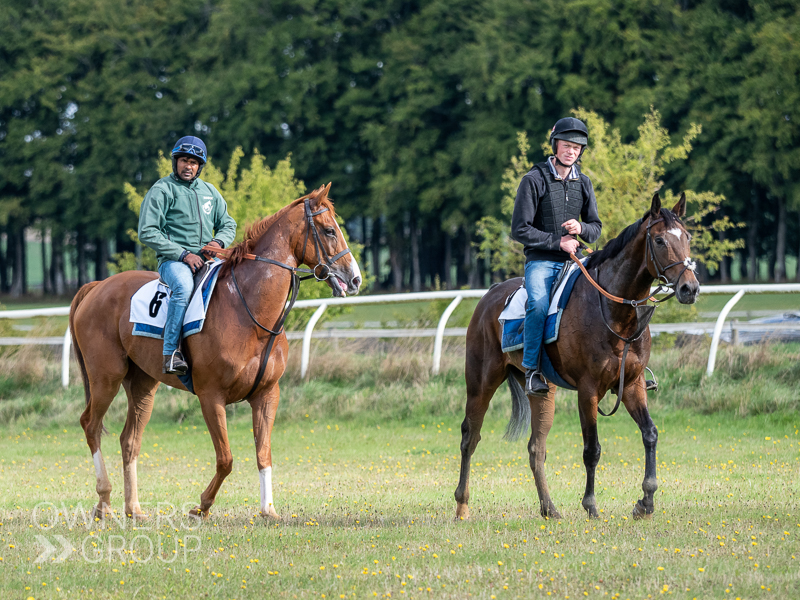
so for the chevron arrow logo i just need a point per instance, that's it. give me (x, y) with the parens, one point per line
(50, 549)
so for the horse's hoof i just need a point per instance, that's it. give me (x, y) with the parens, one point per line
(198, 513)
(101, 512)
(462, 513)
(136, 514)
(551, 514)
(639, 512)
(592, 512)
(271, 514)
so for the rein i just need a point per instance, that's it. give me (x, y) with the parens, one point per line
(311, 228)
(643, 313)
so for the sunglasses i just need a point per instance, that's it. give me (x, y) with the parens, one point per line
(190, 149)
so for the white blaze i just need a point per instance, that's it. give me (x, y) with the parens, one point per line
(675, 231)
(355, 271)
(265, 477)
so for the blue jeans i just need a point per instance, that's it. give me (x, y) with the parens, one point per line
(539, 278)
(178, 276)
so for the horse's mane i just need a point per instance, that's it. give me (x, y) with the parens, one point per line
(259, 228)
(615, 246)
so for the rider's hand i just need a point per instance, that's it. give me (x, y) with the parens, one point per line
(211, 244)
(569, 245)
(194, 261)
(572, 226)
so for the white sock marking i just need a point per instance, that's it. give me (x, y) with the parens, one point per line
(265, 477)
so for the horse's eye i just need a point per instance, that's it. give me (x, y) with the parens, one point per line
(660, 241)
(330, 232)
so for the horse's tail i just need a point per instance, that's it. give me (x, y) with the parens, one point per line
(520, 409)
(82, 293)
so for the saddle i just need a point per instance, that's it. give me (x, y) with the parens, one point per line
(197, 278)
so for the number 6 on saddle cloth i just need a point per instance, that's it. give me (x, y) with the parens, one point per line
(150, 303)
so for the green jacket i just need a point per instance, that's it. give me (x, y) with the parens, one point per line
(177, 216)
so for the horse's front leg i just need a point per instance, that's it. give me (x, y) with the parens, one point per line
(635, 400)
(264, 407)
(216, 421)
(587, 407)
(542, 413)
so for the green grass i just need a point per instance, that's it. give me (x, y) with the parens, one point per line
(368, 507)
(366, 460)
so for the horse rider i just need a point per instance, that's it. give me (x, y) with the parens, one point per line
(180, 214)
(551, 199)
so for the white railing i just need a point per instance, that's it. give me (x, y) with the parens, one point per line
(456, 296)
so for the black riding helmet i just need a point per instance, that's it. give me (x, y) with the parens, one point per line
(569, 129)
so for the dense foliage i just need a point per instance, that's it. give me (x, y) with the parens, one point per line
(411, 108)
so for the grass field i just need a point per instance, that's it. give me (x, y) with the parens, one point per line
(366, 460)
(367, 511)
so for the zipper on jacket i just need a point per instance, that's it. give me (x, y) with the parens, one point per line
(200, 217)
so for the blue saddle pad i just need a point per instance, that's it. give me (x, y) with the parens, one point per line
(553, 321)
(513, 333)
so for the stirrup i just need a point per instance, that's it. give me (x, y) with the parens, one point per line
(535, 385)
(175, 364)
(651, 385)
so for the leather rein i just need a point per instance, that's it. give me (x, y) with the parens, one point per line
(324, 264)
(644, 313)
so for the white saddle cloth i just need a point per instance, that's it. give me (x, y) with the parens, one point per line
(517, 302)
(150, 303)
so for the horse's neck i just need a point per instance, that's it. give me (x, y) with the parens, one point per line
(626, 275)
(265, 286)
(278, 243)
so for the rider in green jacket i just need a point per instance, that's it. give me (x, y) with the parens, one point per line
(179, 215)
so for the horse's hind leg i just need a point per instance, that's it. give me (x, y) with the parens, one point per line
(102, 389)
(542, 413)
(216, 421)
(481, 386)
(141, 390)
(587, 406)
(635, 400)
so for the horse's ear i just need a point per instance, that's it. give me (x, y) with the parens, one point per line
(680, 208)
(655, 207)
(317, 196)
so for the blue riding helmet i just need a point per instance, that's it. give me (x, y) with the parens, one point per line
(189, 146)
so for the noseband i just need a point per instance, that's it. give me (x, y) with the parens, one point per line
(324, 262)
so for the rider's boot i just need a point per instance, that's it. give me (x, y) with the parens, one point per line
(535, 384)
(174, 364)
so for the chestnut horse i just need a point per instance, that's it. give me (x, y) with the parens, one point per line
(226, 357)
(588, 353)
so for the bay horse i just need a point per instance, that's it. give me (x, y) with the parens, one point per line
(230, 356)
(588, 354)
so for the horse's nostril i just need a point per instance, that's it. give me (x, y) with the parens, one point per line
(357, 281)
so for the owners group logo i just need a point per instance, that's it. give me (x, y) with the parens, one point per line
(207, 207)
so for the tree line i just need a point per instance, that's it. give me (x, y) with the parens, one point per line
(411, 108)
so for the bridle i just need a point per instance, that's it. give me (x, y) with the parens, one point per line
(324, 262)
(644, 313)
(661, 277)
